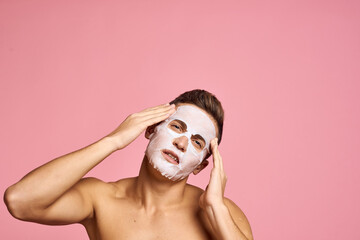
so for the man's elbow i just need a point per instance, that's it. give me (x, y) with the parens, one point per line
(15, 204)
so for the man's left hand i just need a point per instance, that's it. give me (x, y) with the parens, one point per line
(214, 193)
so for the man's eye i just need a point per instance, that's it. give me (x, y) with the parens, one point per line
(198, 143)
(175, 126)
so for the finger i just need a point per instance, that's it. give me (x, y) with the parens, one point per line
(162, 106)
(158, 110)
(214, 153)
(158, 106)
(157, 118)
(221, 163)
(217, 156)
(158, 113)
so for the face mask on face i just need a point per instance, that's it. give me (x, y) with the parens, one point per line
(180, 143)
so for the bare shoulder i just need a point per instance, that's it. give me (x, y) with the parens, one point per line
(194, 188)
(96, 192)
(100, 191)
(94, 187)
(122, 187)
(239, 218)
(236, 213)
(91, 183)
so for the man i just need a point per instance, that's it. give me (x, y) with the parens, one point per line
(158, 204)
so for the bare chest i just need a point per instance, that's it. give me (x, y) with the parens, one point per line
(123, 221)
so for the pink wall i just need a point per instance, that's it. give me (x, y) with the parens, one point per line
(287, 74)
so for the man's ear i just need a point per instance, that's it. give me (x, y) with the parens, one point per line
(202, 165)
(150, 130)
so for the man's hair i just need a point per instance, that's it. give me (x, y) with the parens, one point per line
(205, 101)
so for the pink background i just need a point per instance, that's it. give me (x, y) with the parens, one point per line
(287, 73)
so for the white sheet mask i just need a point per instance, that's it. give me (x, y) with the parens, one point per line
(165, 135)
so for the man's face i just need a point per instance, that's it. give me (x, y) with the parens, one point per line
(180, 143)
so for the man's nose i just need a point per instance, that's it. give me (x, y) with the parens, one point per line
(181, 143)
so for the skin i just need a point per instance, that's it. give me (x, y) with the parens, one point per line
(149, 206)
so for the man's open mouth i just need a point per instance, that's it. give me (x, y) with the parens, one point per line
(170, 156)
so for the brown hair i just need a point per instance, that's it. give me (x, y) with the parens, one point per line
(205, 101)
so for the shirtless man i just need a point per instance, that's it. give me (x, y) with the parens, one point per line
(158, 204)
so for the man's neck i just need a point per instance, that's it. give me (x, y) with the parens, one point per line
(156, 192)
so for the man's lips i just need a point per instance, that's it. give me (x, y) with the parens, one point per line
(170, 156)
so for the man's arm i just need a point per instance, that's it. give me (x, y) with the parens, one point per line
(54, 194)
(223, 217)
(229, 222)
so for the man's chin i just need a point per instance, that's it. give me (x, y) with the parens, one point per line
(169, 176)
(156, 172)
(162, 173)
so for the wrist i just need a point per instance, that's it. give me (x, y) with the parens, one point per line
(212, 207)
(218, 206)
(215, 203)
(110, 143)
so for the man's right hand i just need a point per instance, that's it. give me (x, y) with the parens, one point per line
(136, 123)
(53, 192)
